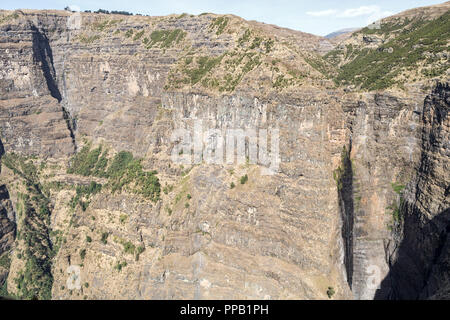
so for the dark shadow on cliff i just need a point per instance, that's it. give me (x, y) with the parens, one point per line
(2, 149)
(43, 53)
(422, 248)
(420, 265)
(344, 180)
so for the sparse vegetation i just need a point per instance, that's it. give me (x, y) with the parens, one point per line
(395, 208)
(35, 280)
(166, 38)
(129, 33)
(340, 174)
(234, 65)
(167, 189)
(415, 44)
(113, 12)
(87, 162)
(101, 26)
(123, 170)
(204, 65)
(219, 24)
(138, 35)
(88, 39)
(83, 194)
(9, 17)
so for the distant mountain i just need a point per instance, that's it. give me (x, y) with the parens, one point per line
(339, 32)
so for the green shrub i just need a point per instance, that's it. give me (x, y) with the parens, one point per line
(84, 161)
(129, 33)
(245, 37)
(219, 24)
(120, 171)
(330, 292)
(232, 185)
(204, 65)
(138, 35)
(140, 249)
(166, 38)
(398, 188)
(83, 194)
(244, 179)
(168, 188)
(82, 254)
(90, 39)
(119, 164)
(128, 247)
(104, 238)
(120, 265)
(123, 218)
(5, 261)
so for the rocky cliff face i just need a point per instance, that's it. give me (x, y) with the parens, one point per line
(419, 259)
(78, 104)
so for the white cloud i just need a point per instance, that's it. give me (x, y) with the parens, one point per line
(323, 13)
(373, 12)
(361, 11)
(379, 15)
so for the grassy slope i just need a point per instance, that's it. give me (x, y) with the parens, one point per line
(413, 48)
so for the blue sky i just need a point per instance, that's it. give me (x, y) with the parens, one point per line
(318, 17)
